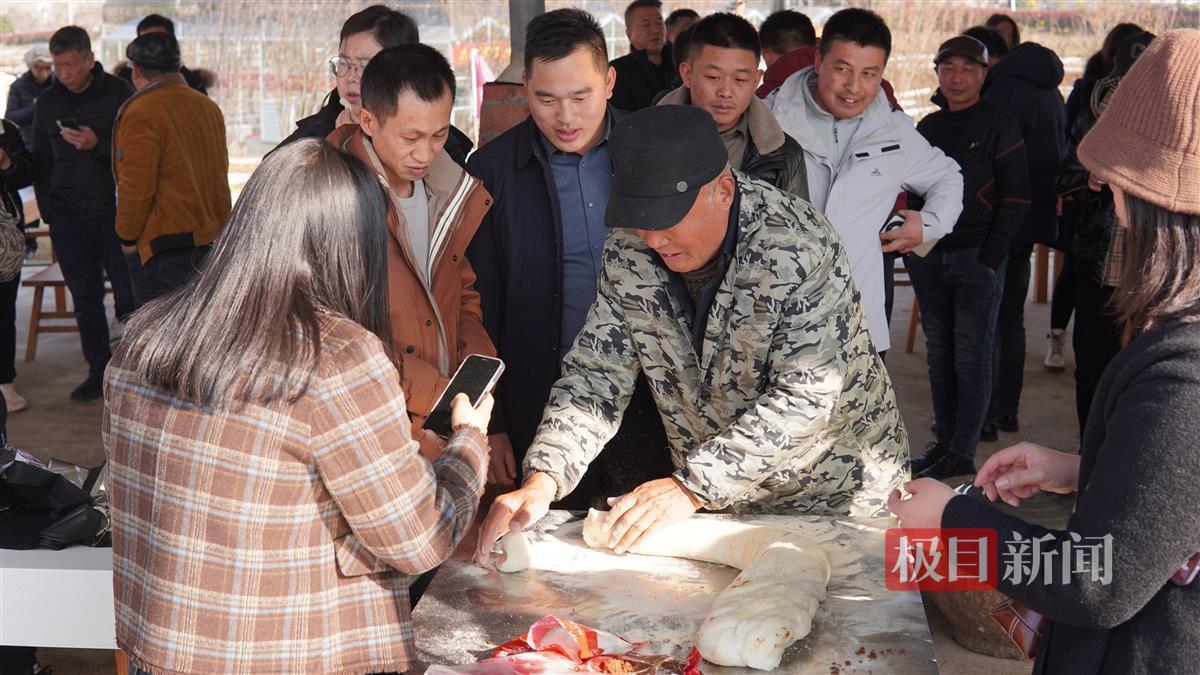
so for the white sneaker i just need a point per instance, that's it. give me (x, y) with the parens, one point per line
(1055, 362)
(116, 330)
(14, 401)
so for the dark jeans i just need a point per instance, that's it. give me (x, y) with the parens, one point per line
(1062, 303)
(1097, 339)
(1008, 361)
(165, 272)
(8, 330)
(87, 249)
(959, 298)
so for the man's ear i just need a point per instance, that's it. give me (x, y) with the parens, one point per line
(685, 73)
(725, 188)
(367, 122)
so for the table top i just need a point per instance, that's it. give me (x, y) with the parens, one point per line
(860, 627)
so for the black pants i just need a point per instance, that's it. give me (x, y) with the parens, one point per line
(87, 249)
(889, 284)
(1008, 361)
(165, 272)
(8, 330)
(1097, 339)
(1062, 303)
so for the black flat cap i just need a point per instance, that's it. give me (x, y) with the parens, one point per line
(662, 156)
(965, 46)
(155, 51)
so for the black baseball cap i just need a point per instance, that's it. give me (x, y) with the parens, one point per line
(155, 51)
(661, 156)
(965, 46)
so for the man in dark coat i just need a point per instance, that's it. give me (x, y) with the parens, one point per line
(537, 255)
(959, 282)
(72, 146)
(649, 67)
(1025, 83)
(26, 88)
(363, 35)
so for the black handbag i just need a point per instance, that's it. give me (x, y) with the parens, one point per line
(42, 509)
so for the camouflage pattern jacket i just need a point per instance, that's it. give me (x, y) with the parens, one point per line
(787, 410)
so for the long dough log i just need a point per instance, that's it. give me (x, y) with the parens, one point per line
(768, 606)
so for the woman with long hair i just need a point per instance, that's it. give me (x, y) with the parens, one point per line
(269, 505)
(1120, 584)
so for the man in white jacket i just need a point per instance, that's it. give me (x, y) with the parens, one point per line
(860, 154)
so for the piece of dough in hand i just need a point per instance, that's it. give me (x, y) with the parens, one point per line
(516, 552)
(766, 608)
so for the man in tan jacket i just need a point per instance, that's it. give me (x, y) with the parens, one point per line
(434, 210)
(172, 170)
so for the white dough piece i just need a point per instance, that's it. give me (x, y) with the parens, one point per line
(768, 606)
(516, 552)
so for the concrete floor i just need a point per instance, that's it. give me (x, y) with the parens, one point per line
(54, 426)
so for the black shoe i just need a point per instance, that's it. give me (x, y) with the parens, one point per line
(932, 455)
(90, 390)
(950, 466)
(988, 433)
(1008, 424)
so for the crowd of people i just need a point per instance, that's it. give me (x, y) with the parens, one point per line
(685, 260)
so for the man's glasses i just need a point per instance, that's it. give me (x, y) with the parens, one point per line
(341, 66)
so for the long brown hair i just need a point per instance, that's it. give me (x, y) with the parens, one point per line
(1160, 279)
(308, 236)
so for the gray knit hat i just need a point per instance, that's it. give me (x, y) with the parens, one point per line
(1147, 142)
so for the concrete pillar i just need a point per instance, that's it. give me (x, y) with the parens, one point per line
(504, 104)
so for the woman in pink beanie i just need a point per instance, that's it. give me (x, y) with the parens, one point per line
(1119, 587)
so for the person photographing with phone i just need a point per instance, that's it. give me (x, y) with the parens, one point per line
(265, 486)
(76, 194)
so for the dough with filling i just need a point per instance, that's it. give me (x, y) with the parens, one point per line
(516, 552)
(768, 606)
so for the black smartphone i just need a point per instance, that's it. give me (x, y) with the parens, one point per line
(68, 123)
(476, 377)
(895, 221)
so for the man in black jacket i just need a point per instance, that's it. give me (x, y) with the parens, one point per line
(26, 88)
(72, 145)
(959, 282)
(537, 255)
(720, 74)
(1025, 83)
(648, 68)
(363, 35)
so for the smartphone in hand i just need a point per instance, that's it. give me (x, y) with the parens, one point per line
(67, 123)
(476, 377)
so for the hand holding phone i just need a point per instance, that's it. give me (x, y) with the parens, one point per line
(475, 377)
(67, 123)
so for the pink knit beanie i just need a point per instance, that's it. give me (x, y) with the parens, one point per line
(1147, 142)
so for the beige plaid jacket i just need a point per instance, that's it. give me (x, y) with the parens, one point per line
(280, 538)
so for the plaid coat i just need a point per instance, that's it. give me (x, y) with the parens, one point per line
(279, 538)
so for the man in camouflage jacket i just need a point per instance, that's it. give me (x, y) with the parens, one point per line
(778, 403)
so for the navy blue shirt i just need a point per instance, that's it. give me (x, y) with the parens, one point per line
(583, 184)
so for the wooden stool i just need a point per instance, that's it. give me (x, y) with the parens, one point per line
(43, 321)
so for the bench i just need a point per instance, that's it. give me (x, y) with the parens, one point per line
(49, 321)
